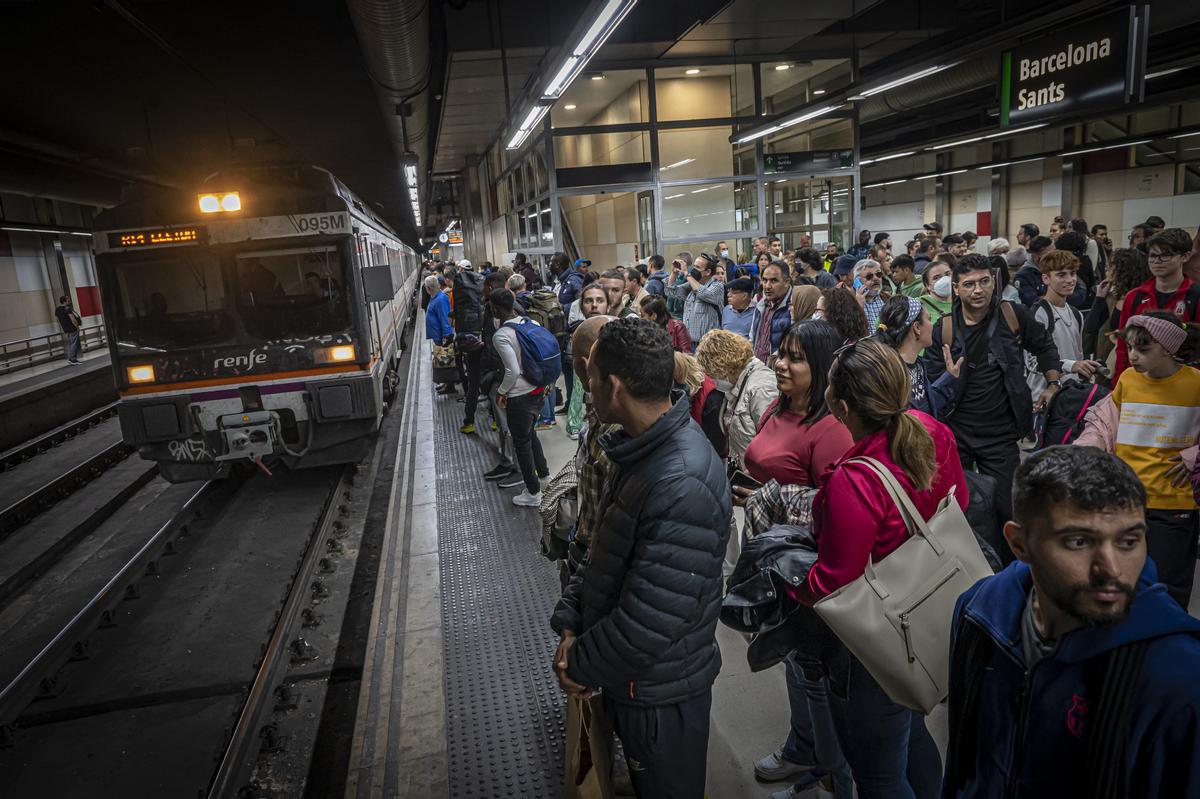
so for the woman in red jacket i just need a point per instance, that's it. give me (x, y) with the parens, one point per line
(888, 747)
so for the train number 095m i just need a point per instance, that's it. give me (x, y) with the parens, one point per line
(312, 224)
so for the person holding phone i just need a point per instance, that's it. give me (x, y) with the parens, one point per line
(797, 443)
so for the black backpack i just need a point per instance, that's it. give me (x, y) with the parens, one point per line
(1051, 316)
(1064, 418)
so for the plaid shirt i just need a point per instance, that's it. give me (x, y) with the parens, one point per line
(701, 307)
(873, 307)
(778, 504)
(595, 473)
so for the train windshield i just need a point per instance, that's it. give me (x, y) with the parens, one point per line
(292, 293)
(173, 301)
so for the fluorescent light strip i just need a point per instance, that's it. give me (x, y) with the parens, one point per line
(45, 230)
(886, 158)
(1011, 163)
(1105, 147)
(901, 81)
(884, 183)
(989, 136)
(677, 163)
(1185, 135)
(1016, 130)
(534, 116)
(1164, 72)
(788, 123)
(556, 87)
(593, 32)
(673, 197)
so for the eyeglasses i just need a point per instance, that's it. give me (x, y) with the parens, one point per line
(1159, 257)
(971, 285)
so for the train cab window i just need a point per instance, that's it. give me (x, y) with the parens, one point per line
(292, 293)
(171, 301)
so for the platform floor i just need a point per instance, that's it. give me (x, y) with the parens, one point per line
(458, 697)
(48, 374)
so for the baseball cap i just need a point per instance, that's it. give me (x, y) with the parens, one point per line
(465, 264)
(844, 265)
(582, 262)
(937, 226)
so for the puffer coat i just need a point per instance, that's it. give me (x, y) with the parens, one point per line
(644, 607)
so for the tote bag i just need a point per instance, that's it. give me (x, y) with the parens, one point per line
(896, 617)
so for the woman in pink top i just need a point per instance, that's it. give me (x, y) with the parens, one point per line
(797, 443)
(888, 747)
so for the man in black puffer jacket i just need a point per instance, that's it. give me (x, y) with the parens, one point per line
(639, 620)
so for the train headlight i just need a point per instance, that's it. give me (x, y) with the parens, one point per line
(344, 352)
(222, 201)
(140, 374)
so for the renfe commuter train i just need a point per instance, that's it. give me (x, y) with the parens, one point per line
(260, 316)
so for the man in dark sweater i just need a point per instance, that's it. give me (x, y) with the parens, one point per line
(638, 621)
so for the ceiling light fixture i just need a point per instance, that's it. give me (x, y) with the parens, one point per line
(818, 92)
(1164, 72)
(673, 197)
(692, 71)
(598, 77)
(570, 107)
(989, 136)
(923, 73)
(697, 191)
(410, 180)
(1105, 147)
(1185, 135)
(884, 183)
(787, 123)
(886, 158)
(782, 67)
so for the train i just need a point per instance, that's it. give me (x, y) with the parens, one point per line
(258, 318)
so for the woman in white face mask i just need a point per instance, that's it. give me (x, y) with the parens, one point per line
(938, 297)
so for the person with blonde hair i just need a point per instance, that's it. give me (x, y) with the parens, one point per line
(888, 747)
(706, 399)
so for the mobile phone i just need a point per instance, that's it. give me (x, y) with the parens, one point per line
(743, 480)
(857, 284)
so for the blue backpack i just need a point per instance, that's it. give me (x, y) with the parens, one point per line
(541, 358)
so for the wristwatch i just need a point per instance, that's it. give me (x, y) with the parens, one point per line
(1055, 383)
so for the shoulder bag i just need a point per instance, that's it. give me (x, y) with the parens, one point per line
(896, 617)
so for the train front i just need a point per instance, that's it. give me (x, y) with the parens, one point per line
(233, 329)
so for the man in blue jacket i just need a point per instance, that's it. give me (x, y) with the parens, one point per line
(1072, 672)
(639, 620)
(570, 283)
(437, 318)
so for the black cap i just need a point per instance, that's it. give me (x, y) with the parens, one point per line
(743, 284)
(933, 226)
(844, 265)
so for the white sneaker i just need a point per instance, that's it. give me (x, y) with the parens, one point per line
(528, 500)
(775, 767)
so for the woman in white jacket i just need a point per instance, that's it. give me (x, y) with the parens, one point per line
(749, 386)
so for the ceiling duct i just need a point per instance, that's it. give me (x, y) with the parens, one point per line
(394, 35)
(920, 95)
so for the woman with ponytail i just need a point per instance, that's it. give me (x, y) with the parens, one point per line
(888, 747)
(905, 326)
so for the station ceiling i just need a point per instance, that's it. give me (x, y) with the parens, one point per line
(100, 94)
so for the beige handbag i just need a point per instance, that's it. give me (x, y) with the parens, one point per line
(896, 617)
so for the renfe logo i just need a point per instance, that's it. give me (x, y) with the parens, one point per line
(234, 361)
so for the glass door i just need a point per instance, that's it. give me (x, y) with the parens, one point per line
(815, 207)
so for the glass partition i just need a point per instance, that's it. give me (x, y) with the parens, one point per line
(820, 134)
(617, 97)
(790, 84)
(819, 208)
(607, 227)
(598, 149)
(712, 207)
(699, 153)
(704, 91)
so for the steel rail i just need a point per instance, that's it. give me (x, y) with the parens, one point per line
(33, 503)
(24, 688)
(239, 755)
(58, 435)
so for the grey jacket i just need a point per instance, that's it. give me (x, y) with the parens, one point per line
(745, 405)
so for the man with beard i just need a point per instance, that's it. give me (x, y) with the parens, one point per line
(1072, 672)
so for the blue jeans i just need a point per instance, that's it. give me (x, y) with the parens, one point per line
(889, 749)
(547, 414)
(812, 740)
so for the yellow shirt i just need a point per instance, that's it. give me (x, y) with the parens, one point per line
(1159, 417)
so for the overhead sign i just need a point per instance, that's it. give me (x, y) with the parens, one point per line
(1090, 66)
(807, 161)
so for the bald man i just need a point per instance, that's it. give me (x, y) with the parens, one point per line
(595, 467)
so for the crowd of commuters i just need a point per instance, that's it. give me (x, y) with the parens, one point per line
(1051, 381)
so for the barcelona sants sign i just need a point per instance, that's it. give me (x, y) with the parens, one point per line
(1090, 66)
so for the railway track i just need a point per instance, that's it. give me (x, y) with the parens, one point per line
(176, 651)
